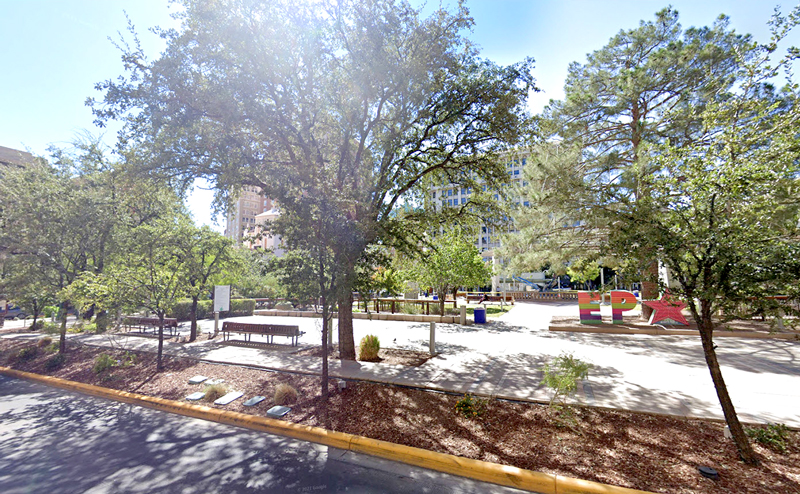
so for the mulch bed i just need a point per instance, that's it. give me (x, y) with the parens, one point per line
(637, 450)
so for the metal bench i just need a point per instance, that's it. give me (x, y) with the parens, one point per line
(270, 330)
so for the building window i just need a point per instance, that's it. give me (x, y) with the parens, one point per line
(463, 200)
(449, 192)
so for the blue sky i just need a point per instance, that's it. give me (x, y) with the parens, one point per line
(54, 51)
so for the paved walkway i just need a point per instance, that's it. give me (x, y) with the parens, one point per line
(504, 358)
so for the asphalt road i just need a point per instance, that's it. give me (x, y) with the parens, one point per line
(53, 441)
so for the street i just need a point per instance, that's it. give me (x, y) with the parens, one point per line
(53, 441)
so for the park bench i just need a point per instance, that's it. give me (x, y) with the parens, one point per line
(249, 329)
(142, 324)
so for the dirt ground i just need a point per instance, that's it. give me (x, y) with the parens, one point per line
(636, 450)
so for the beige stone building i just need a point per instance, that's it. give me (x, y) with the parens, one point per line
(250, 204)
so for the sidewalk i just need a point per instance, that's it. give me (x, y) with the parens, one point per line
(503, 358)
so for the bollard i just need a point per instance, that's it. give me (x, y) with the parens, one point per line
(330, 332)
(462, 318)
(433, 338)
(216, 323)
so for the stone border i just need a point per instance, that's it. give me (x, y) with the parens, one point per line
(373, 316)
(655, 331)
(543, 483)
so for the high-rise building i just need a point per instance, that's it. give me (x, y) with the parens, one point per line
(488, 237)
(250, 204)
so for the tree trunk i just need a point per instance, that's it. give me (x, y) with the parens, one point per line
(62, 340)
(159, 363)
(649, 288)
(706, 327)
(326, 314)
(193, 317)
(347, 345)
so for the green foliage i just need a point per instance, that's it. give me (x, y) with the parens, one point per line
(55, 362)
(103, 362)
(774, 436)
(43, 342)
(453, 261)
(411, 309)
(562, 376)
(368, 348)
(284, 394)
(344, 154)
(583, 270)
(27, 353)
(470, 407)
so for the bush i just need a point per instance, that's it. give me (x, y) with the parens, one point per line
(51, 328)
(52, 347)
(563, 376)
(285, 395)
(28, 353)
(369, 347)
(102, 362)
(239, 307)
(470, 406)
(773, 436)
(411, 309)
(55, 362)
(43, 342)
(215, 391)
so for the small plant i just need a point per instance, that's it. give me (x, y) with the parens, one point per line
(470, 406)
(55, 362)
(285, 394)
(411, 309)
(51, 328)
(129, 359)
(52, 347)
(368, 348)
(562, 376)
(774, 436)
(43, 342)
(215, 391)
(28, 353)
(103, 362)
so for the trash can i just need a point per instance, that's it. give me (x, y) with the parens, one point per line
(435, 297)
(480, 316)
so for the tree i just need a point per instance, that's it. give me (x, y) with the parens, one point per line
(646, 85)
(452, 262)
(583, 270)
(205, 254)
(357, 103)
(154, 274)
(724, 212)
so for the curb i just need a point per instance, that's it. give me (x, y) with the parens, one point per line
(519, 478)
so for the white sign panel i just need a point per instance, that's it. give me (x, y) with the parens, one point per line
(222, 298)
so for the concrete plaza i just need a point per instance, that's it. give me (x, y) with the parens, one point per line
(504, 358)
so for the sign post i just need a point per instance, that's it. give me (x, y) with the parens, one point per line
(222, 303)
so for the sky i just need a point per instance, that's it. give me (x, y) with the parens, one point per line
(54, 52)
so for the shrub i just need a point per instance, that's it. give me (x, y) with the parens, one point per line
(369, 347)
(774, 436)
(215, 391)
(28, 353)
(38, 326)
(52, 347)
(411, 309)
(43, 342)
(285, 395)
(562, 376)
(102, 362)
(470, 406)
(51, 328)
(55, 362)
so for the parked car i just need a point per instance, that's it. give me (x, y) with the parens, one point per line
(13, 311)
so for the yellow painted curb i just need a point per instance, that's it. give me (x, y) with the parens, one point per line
(465, 467)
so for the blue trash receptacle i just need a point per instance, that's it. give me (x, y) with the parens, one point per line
(480, 316)
(435, 297)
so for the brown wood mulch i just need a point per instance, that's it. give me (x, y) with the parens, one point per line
(636, 450)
